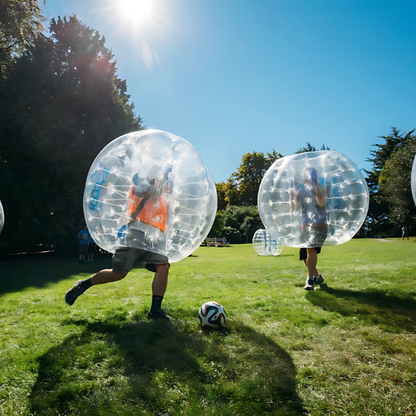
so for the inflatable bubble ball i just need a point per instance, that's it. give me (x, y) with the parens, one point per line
(150, 190)
(264, 245)
(313, 198)
(1, 217)
(413, 180)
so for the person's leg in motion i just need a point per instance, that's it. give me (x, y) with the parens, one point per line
(160, 282)
(100, 278)
(313, 275)
(106, 276)
(312, 261)
(122, 262)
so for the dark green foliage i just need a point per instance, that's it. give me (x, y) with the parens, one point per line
(380, 221)
(310, 148)
(237, 224)
(221, 202)
(20, 24)
(395, 185)
(243, 185)
(238, 218)
(60, 105)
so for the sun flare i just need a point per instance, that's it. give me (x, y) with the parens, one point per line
(136, 10)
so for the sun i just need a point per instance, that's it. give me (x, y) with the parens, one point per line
(136, 11)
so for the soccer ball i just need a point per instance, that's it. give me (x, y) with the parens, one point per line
(212, 314)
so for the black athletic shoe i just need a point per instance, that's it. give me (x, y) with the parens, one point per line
(72, 294)
(159, 314)
(318, 280)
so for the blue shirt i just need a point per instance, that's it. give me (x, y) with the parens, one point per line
(84, 234)
(312, 213)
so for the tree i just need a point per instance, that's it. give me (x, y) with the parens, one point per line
(60, 105)
(395, 185)
(382, 154)
(221, 202)
(311, 148)
(237, 224)
(20, 24)
(243, 185)
(378, 221)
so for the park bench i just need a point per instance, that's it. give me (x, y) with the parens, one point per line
(217, 242)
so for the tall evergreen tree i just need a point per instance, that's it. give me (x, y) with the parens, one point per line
(378, 221)
(311, 148)
(395, 186)
(60, 105)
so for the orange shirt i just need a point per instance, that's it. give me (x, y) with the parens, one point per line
(153, 212)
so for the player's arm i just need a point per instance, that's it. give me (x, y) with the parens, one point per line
(320, 196)
(294, 197)
(294, 200)
(319, 191)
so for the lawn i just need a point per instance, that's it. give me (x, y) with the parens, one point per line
(347, 348)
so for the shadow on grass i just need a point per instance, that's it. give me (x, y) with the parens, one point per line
(374, 306)
(154, 368)
(39, 271)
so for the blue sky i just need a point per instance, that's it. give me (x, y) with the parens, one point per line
(237, 76)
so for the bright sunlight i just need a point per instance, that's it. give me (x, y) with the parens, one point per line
(136, 11)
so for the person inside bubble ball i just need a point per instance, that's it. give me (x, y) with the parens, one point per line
(144, 242)
(311, 197)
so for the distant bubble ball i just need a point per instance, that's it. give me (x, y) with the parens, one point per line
(264, 245)
(413, 180)
(150, 190)
(313, 198)
(1, 217)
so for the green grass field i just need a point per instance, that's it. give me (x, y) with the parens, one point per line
(347, 348)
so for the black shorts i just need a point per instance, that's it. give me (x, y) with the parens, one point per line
(303, 254)
(313, 237)
(124, 258)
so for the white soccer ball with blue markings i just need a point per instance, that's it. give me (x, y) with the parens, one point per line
(212, 314)
(150, 190)
(313, 198)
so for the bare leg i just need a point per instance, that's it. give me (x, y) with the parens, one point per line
(106, 276)
(160, 281)
(311, 262)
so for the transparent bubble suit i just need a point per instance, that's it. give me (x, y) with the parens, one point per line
(413, 180)
(264, 245)
(179, 182)
(1, 217)
(346, 191)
